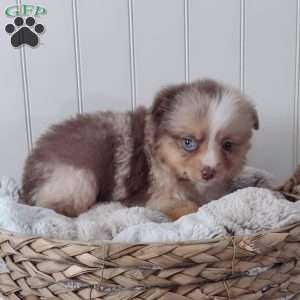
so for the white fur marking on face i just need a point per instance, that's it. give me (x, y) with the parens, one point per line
(210, 158)
(221, 112)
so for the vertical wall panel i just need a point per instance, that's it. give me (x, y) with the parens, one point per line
(215, 40)
(51, 67)
(13, 145)
(104, 53)
(297, 90)
(159, 46)
(269, 65)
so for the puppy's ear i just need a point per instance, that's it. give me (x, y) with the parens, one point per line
(255, 119)
(252, 113)
(164, 100)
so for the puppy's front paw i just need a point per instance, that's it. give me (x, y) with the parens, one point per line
(182, 209)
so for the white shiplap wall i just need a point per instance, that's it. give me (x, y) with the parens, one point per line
(103, 54)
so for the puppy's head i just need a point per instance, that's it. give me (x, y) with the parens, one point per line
(203, 130)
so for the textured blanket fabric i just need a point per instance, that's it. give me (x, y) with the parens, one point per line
(245, 210)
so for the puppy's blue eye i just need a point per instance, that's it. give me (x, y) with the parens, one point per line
(189, 144)
(227, 145)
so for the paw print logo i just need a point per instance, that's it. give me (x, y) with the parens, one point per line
(24, 33)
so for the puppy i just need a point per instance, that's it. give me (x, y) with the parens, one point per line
(181, 153)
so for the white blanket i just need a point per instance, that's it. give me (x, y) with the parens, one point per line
(246, 210)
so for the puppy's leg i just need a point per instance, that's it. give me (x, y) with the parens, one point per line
(181, 209)
(67, 190)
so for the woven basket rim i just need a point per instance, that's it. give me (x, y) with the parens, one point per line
(94, 243)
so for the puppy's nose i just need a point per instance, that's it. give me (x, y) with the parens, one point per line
(208, 173)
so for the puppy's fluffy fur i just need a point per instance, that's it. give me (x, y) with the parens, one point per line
(182, 152)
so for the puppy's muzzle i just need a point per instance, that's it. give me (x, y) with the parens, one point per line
(208, 173)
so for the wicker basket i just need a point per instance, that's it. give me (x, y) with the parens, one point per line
(260, 266)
